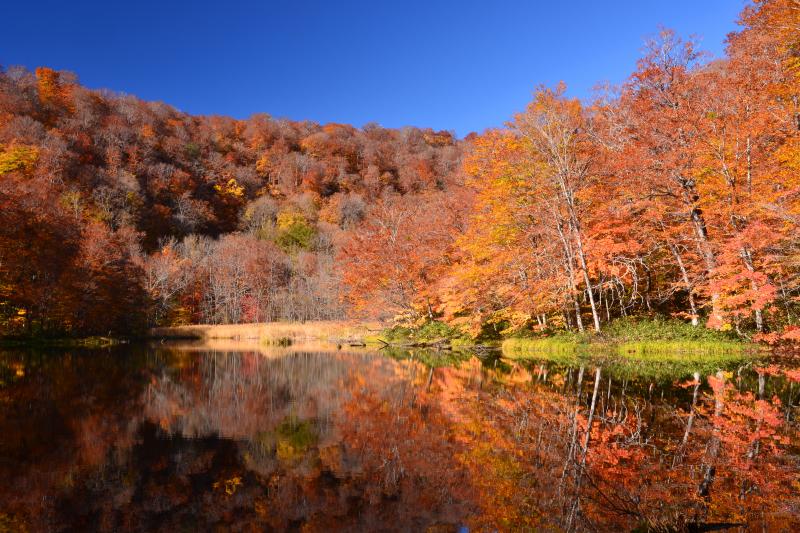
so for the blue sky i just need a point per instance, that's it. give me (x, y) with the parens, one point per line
(457, 65)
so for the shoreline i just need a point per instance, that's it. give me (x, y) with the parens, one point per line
(652, 343)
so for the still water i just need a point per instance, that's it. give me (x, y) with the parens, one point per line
(316, 438)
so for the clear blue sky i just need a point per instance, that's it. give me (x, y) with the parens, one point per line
(458, 65)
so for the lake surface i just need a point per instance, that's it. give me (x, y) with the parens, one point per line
(236, 438)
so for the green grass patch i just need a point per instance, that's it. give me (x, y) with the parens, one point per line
(429, 331)
(680, 349)
(518, 348)
(526, 348)
(660, 350)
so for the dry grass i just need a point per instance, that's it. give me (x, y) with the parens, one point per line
(254, 346)
(274, 332)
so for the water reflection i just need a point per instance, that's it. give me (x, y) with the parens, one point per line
(313, 437)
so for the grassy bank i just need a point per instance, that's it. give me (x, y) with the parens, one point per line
(516, 347)
(639, 339)
(655, 350)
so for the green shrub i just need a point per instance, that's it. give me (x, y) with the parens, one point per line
(429, 331)
(294, 231)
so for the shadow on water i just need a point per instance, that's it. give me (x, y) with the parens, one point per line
(192, 437)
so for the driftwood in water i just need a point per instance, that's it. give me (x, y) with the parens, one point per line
(440, 344)
(350, 341)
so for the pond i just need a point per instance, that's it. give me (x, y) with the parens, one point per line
(195, 437)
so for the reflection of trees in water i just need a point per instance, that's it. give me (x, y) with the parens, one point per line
(322, 439)
(65, 423)
(642, 463)
(343, 441)
(240, 395)
(361, 441)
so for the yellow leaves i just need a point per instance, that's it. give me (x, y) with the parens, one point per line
(10, 522)
(514, 319)
(71, 200)
(19, 369)
(231, 189)
(263, 165)
(492, 156)
(19, 158)
(287, 219)
(229, 485)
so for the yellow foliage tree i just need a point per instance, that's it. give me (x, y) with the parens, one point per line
(18, 158)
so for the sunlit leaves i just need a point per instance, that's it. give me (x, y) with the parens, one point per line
(17, 158)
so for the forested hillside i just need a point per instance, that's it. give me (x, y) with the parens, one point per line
(117, 213)
(675, 194)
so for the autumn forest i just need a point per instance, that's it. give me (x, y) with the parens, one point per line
(586, 319)
(674, 194)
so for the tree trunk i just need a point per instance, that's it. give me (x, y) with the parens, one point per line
(747, 258)
(708, 257)
(587, 438)
(685, 276)
(585, 269)
(573, 287)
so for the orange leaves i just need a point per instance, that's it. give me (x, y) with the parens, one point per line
(792, 333)
(48, 84)
(52, 91)
(392, 263)
(148, 132)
